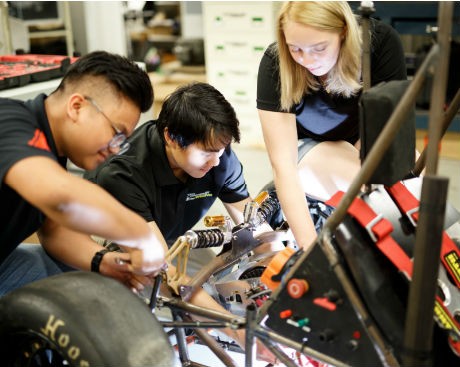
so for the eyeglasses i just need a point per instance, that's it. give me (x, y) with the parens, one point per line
(119, 141)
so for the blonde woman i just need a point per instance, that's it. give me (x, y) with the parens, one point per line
(308, 88)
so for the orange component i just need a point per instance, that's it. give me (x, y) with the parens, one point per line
(285, 314)
(275, 266)
(261, 197)
(296, 288)
(214, 221)
(325, 303)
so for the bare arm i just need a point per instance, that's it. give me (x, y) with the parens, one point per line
(81, 206)
(280, 135)
(236, 210)
(77, 251)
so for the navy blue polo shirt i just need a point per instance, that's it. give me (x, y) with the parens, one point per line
(24, 132)
(327, 117)
(143, 181)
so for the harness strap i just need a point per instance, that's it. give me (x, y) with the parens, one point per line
(379, 230)
(408, 205)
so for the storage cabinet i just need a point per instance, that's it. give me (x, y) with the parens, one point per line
(236, 36)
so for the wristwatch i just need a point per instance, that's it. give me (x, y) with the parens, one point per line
(97, 259)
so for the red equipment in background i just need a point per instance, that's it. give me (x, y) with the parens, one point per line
(19, 70)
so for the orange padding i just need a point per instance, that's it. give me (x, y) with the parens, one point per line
(275, 266)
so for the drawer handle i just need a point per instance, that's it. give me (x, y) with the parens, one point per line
(235, 15)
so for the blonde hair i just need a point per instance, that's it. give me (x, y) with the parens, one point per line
(344, 77)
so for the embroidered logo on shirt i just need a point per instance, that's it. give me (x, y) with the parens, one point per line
(193, 196)
(39, 141)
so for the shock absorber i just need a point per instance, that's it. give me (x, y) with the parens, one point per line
(261, 209)
(269, 207)
(205, 238)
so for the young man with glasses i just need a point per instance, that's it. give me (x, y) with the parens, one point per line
(86, 120)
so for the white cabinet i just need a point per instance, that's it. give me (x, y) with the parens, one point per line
(236, 35)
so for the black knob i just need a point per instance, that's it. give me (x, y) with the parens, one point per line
(327, 335)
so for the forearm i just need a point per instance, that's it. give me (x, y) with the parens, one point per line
(78, 250)
(295, 207)
(74, 202)
(236, 210)
(282, 150)
(72, 248)
(93, 211)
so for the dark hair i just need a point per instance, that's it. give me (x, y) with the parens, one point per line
(124, 75)
(198, 112)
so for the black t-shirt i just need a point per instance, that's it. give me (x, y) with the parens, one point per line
(24, 132)
(323, 116)
(143, 181)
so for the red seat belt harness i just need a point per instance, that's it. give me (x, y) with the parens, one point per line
(408, 205)
(380, 229)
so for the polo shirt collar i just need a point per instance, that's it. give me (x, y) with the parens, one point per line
(160, 165)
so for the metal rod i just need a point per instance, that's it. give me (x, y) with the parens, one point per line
(438, 91)
(175, 303)
(382, 349)
(251, 313)
(195, 324)
(181, 340)
(263, 334)
(366, 9)
(279, 354)
(196, 364)
(155, 291)
(418, 332)
(214, 346)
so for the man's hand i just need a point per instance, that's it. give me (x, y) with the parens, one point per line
(147, 255)
(147, 261)
(117, 265)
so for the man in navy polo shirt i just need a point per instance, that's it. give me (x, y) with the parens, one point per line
(178, 165)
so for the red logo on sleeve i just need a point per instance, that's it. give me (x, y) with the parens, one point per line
(39, 141)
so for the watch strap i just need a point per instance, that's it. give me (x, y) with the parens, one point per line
(97, 259)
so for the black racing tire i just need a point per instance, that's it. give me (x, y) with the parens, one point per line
(80, 319)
